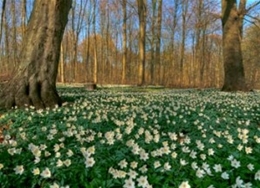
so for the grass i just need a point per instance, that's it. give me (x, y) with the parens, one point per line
(134, 138)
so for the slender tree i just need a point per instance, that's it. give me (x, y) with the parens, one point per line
(61, 70)
(35, 80)
(7, 42)
(124, 40)
(14, 34)
(2, 64)
(95, 65)
(158, 40)
(142, 30)
(153, 44)
(173, 27)
(78, 14)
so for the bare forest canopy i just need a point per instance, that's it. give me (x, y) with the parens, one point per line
(183, 42)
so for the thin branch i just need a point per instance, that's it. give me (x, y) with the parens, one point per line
(254, 18)
(242, 7)
(252, 23)
(252, 6)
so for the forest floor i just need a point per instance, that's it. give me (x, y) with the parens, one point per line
(134, 137)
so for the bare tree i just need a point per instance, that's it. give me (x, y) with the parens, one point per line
(14, 33)
(156, 19)
(78, 13)
(142, 30)
(153, 39)
(172, 26)
(95, 66)
(35, 79)
(124, 3)
(61, 67)
(158, 39)
(7, 42)
(184, 8)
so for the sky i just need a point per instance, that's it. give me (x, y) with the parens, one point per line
(251, 1)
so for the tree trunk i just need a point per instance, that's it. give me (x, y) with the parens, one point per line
(152, 61)
(232, 21)
(7, 44)
(174, 55)
(95, 65)
(124, 7)
(24, 19)
(158, 41)
(142, 30)
(2, 19)
(62, 80)
(14, 33)
(183, 42)
(35, 80)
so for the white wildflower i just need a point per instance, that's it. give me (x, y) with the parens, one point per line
(217, 168)
(67, 162)
(185, 184)
(46, 173)
(183, 162)
(89, 162)
(157, 164)
(257, 175)
(142, 181)
(19, 169)
(200, 173)
(133, 164)
(225, 175)
(167, 166)
(132, 174)
(129, 183)
(1, 166)
(55, 185)
(235, 163)
(123, 164)
(250, 167)
(36, 171)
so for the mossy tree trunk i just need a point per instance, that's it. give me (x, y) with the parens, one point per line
(232, 26)
(34, 83)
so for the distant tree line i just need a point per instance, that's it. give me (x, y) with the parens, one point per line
(174, 43)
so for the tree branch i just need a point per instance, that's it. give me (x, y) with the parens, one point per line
(253, 23)
(254, 18)
(253, 5)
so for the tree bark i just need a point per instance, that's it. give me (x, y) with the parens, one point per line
(14, 33)
(158, 42)
(232, 21)
(95, 66)
(183, 41)
(34, 83)
(152, 66)
(124, 7)
(62, 80)
(2, 19)
(24, 13)
(142, 30)
(78, 15)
